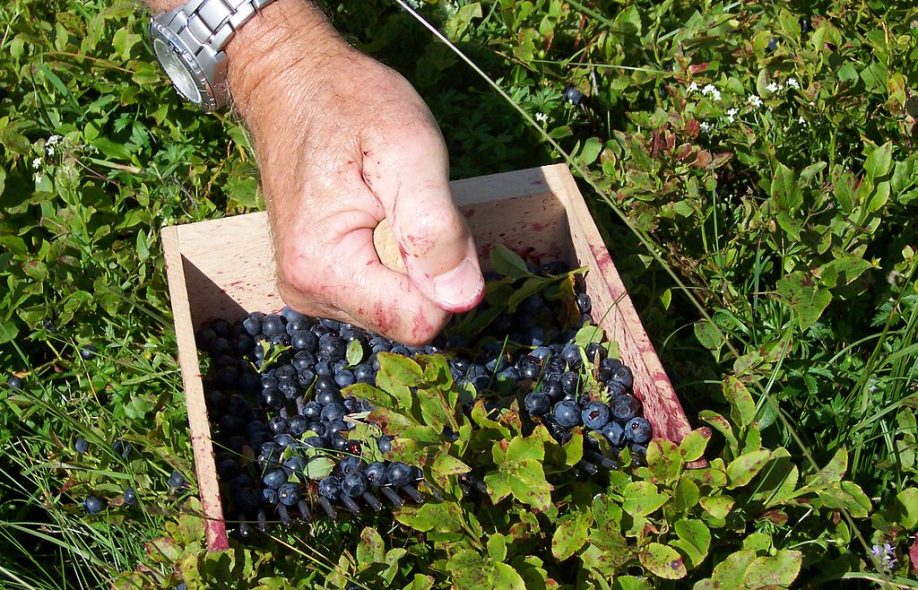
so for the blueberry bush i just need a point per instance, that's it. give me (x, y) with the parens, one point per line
(752, 167)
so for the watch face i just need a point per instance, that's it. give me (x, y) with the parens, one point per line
(177, 71)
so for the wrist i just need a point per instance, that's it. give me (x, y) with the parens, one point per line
(267, 55)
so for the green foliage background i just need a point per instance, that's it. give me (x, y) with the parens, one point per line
(766, 229)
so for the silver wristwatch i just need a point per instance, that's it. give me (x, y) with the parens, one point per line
(189, 42)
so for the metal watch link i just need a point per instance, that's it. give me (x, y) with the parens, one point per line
(189, 42)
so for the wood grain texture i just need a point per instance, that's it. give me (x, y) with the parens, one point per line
(225, 268)
(199, 424)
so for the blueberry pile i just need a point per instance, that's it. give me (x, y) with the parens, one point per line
(283, 421)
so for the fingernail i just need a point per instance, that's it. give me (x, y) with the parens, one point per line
(460, 288)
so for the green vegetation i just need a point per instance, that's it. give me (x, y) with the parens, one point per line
(752, 166)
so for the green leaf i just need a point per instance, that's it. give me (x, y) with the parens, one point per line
(879, 162)
(396, 375)
(466, 568)
(354, 352)
(833, 472)
(694, 539)
(442, 517)
(741, 470)
(776, 571)
(663, 561)
(642, 498)
(693, 445)
(686, 495)
(664, 460)
(721, 425)
(571, 534)
(507, 578)
(731, 572)
(591, 150)
(717, 506)
(8, 331)
(508, 263)
(742, 406)
(497, 547)
(908, 508)
(842, 271)
(371, 548)
(784, 190)
(807, 300)
(530, 287)
(708, 334)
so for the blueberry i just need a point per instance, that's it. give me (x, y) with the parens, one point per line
(294, 466)
(277, 425)
(176, 480)
(376, 473)
(269, 495)
(595, 352)
(614, 433)
(285, 440)
(330, 487)
(88, 351)
(572, 95)
(584, 304)
(316, 442)
(623, 375)
(322, 368)
(331, 347)
(297, 425)
(541, 353)
(595, 415)
(14, 382)
(273, 325)
(274, 479)
(205, 337)
(122, 448)
(247, 500)
(130, 496)
(772, 44)
(552, 388)
(384, 443)
(398, 474)
(333, 411)
(569, 382)
(364, 373)
(273, 398)
(354, 484)
(336, 426)
(567, 413)
(350, 464)
(537, 404)
(304, 340)
(312, 410)
(228, 469)
(306, 377)
(638, 430)
(80, 445)
(529, 367)
(289, 494)
(571, 354)
(338, 442)
(93, 505)
(252, 324)
(345, 378)
(325, 383)
(625, 407)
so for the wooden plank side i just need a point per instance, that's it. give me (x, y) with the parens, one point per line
(622, 323)
(199, 425)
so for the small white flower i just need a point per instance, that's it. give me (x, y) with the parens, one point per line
(801, 120)
(38, 177)
(773, 87)
(54, 139)
(693, 87)
(793, 83)
(541, 117)
(416, 4)
(49, 150)
(706, 127)
(710, 89)
(731, 113)
(754, 100)
(36, 163)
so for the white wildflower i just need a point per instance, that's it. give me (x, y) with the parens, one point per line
(773, 87)
(36, 163)
(416, 4)
(710, 89)
(731, 113)
(38, 177)
(793, 83)
(754, 100)
(706, 127)
(53, 140)
(49, 150)
(801, 120)
(693, 87)
(541, 117)
(451, 8)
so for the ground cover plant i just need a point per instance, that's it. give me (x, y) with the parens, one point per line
(753, 169)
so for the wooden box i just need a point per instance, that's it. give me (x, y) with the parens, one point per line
(225, 269)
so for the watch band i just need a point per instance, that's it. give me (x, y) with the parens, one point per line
(206, 26)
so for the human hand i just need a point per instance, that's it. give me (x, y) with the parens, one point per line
(343, 142)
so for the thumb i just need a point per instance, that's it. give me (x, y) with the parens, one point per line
(434, 241)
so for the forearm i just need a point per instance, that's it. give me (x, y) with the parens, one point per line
(284, 34)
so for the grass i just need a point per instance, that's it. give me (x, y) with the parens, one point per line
(798, 279)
